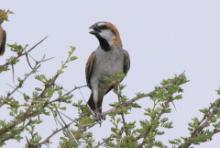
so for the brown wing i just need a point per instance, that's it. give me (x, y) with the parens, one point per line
(2, 42)
(89, 68)
(126, 62)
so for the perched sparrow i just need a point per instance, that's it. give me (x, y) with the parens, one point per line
(107, 60)
(2, 39)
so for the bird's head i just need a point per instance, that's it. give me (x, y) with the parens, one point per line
(107, 34)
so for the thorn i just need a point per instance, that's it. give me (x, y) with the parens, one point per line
(174, 106)
(13, 73)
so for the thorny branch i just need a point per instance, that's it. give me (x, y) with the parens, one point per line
(9, 136)
(47, 139)
(22, 81)
(29, 113)
(26, 76)
(118, 93)
(67, 93)
(24, 53)
(206, 120)
(66, 125)
(164, 106)
(39, 101)
(104, 114)
(23, 116)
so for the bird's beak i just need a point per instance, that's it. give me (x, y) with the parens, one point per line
(94, 29)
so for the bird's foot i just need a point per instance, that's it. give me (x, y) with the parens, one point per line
(99, 117)
(103, 117)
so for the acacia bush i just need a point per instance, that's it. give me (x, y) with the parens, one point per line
(52, 99)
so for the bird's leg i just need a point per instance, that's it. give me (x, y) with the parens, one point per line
(97, 114)
(95, 100)
(99, 104)
(99, 118)
(100, 112)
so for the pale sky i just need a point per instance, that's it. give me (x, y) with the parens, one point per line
(163, 38)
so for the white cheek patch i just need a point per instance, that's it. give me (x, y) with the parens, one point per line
(107, 35)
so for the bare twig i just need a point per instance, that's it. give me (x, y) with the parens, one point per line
(24, 53)
(26, 76)
(66, 116)
(24, 79)
(33, 47)
(67, 93)
(47, 139)
(28, 61)
(67, 129)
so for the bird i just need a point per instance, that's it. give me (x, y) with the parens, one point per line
(107, 60)
(2, 39)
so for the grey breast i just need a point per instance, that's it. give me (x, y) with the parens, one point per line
(107, 63)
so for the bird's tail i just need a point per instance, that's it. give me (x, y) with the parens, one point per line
(91, 102)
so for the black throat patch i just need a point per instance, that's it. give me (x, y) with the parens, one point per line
(104, 44)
